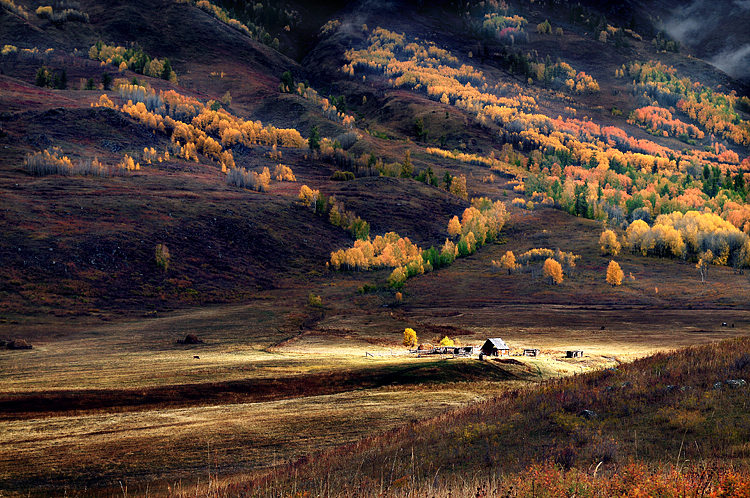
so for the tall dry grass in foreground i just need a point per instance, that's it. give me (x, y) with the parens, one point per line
(633, 480)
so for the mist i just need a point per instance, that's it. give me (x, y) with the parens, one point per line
(715, 30)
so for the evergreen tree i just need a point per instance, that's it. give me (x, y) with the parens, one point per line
(61, 80)
(407, 169)
(287, 81)
(166, 71)
(42, 77)
(447, 180)
(739, 184)
(314, 140)
(581, 206)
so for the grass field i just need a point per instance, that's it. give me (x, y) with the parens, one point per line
(169, 445)
(124, 402)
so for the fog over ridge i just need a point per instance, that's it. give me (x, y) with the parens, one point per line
(717, 31)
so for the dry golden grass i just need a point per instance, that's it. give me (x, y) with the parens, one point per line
(171, 444)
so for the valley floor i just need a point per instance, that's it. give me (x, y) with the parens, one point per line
(101, 404)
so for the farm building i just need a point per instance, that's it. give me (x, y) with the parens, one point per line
(576, 353)
(495, 347)
(531, 352)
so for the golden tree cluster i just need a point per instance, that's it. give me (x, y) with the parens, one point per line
(282, 173)
(389, 250)
(132, 58)
(658, 119)
(253, 180)
(54, 162)
(715, 111)
(690, 235)
(507, 262)
(197, 128)
(596, 154)
(330, 111)
(480, 223)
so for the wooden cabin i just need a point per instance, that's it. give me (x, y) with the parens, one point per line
(495, 347)
(531, 352)
(576, 353)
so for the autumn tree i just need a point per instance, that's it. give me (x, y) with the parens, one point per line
(454, 226)
(410, 338)
(284, 173)
(508, 262)
(458, 187)
(553, 271)
(544, 27)
(397, 277)
(314, 300)
(447, 341)
(609, 244)
(614, 274)
(162, 257)
(308, 197)
(703, 262)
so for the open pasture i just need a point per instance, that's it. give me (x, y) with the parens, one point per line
(260, 394)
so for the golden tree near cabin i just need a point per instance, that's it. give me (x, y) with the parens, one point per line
(410, 338)
(447, 341)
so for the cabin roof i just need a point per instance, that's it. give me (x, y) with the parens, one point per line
(497, 343)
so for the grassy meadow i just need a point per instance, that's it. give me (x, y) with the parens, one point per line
(123, 402)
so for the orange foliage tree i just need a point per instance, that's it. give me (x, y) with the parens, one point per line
(614, 274)
(553, 271)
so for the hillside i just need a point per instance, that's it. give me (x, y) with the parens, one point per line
(214, 211)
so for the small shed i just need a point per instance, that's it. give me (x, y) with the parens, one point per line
(531, 352)
(495, 347)
(576, 353)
